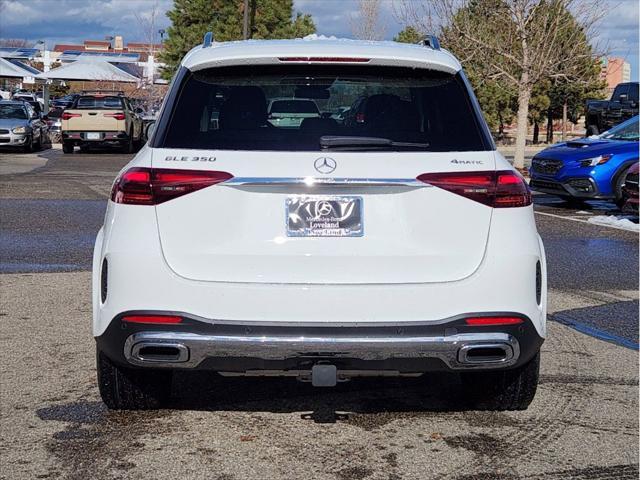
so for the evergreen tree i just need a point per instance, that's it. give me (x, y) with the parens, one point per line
(191, 19)
(408, 35)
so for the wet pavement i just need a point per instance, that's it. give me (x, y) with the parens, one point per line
(583, 423)
(48, 235)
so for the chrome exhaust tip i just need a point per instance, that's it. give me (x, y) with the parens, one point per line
(485, 354)
(159, 352)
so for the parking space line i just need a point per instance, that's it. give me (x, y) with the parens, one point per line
(593, 331)
(582, 221)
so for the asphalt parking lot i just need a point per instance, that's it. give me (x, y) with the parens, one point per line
(583, 424)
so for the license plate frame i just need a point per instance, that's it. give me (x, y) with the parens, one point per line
(324, 216)
(93, 136)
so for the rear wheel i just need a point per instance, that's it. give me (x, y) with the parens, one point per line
(124, 388)
(128, 146)
(503, 390)
(67, 147)
(40, 144)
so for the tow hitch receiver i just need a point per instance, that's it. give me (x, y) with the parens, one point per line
(324, 375)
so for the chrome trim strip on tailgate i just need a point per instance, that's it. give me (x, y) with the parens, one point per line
(311, 181)
(280, 347)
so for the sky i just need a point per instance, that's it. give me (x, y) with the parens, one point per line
(71, 21)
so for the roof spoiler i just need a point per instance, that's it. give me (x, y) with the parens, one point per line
(103, 92)
(431, 41)
(208, 40)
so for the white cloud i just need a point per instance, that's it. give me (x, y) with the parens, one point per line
(76, 20)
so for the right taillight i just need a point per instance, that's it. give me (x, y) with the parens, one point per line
(498, 189)
(511, 190)
(116, 115)
(151, 186)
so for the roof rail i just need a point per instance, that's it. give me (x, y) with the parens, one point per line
(208, 40)
(431, 41)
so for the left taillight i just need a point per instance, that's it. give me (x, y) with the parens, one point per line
(498, 189)
(152, 186)
(152, 319)
(68, 115)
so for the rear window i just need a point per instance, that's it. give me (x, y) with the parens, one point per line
(98, 103)
(293, 106)
(416, 110)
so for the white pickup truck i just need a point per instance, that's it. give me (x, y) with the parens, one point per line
(101, 118)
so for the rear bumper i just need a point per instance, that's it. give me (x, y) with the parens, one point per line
(83, 137)
(243, 347)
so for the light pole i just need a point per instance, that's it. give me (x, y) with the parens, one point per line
(46, 64)
(245, 24)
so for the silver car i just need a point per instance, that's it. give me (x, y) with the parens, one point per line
(21, 126)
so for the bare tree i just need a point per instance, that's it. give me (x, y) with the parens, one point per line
(15, 42)
(518, 42)
(366, 23)
(148, 22)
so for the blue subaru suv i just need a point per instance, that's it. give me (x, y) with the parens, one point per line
(588, 168)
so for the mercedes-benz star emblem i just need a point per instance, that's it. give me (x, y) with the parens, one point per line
(325, 165)
(323, 208)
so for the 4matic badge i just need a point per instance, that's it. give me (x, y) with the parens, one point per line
(467, 162)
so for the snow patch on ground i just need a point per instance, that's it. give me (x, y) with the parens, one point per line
(615, 221)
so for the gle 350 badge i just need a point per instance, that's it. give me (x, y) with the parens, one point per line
(189, 159)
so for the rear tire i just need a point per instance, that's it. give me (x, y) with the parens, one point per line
(38, 146)
(67, 147)
(128, 146)
(124, 388)
(503, 390)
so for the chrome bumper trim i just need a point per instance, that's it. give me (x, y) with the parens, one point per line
(311, 181)
(451, 349)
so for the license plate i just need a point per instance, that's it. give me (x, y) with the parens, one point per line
(324, 217)
(93, 136)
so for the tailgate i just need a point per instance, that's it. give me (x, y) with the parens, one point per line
(240, 230)
(93, 121)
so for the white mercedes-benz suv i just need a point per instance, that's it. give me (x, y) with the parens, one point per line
(390, 240)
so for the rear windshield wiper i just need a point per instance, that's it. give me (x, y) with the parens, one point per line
(347, 143)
